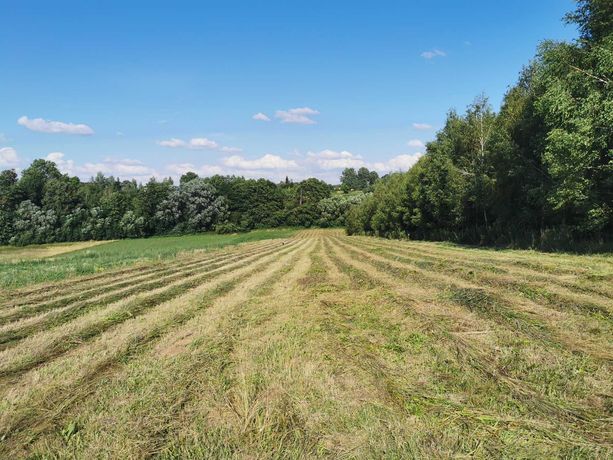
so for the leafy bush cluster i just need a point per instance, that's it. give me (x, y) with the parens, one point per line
(537, 173)
(333, 210)
(44, 206)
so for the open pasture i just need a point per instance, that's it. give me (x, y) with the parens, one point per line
(316, 345)
(20, 266)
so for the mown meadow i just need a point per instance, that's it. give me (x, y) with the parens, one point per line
(20, 266)
(314, 345)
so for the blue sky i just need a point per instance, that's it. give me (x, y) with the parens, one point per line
(136, 89)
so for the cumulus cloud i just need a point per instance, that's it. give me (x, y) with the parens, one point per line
(398, 163)
(203, 171)
(260, 117)
(173, 143)
(431, 54)
(270, 166)
(231, 149)
(332, 159)
(326, 164)
(422, 126)
(46, 126)
(197, 143)
(299, 116)
(178, 169)
(123, 168)
(416, 143)
(267, 161)
(328, 160)
(203, 143)
(8, 156)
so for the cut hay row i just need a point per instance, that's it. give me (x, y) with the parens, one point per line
(553, 262)
(162, 288)
(192, 358)
(321, 346)
(550, 286)
(104, 292)
(79, 285)
(75, 374)
(584, 319)
(582, 419)
(582, 274)
(539, 322)
(67, 334)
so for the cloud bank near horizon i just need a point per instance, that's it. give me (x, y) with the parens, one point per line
(326, 164)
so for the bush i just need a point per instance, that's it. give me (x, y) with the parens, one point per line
(333, 210)
(228, 227)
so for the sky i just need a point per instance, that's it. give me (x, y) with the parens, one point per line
(254, 88)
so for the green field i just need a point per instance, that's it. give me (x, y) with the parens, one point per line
(39, 263)
(318, 345)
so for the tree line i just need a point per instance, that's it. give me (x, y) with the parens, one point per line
(538, 173)
(42, 205)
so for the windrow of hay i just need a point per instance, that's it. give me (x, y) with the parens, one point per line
(317, 346)
(63, 381)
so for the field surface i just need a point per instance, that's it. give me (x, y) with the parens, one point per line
(314, 345)
(14, 254)
(53, 262)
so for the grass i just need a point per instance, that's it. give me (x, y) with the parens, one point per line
(20, 267)
(12, 254)
(317, 345)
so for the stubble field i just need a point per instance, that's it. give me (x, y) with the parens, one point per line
(315, 345)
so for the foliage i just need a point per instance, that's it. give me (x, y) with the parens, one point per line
(28, 267)
(333, 210)
(33, 224)
(44, 205)
(538, 173)
(362, 180)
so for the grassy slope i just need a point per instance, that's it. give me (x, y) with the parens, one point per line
(12, 254)
(320, 345)
(36, 266)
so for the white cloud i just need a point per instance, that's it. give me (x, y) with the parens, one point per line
(180, 168)
(299, 116)
(325, 164)
(197, 143)
(8, 156)
(422, 126)
(331, 159)
(416, 143)
(173, 143)
(268, 161)
(433, 54)
(203, 143)
(398, 163)
(54, 127)
(327, 160)
(124, 169)
(203, 171)
(260, 117)
(55, 157)
(231, 149)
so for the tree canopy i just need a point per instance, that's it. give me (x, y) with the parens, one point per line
(539, 172)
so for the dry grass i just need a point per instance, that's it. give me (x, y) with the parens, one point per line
(319, 345)
(9, 254)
